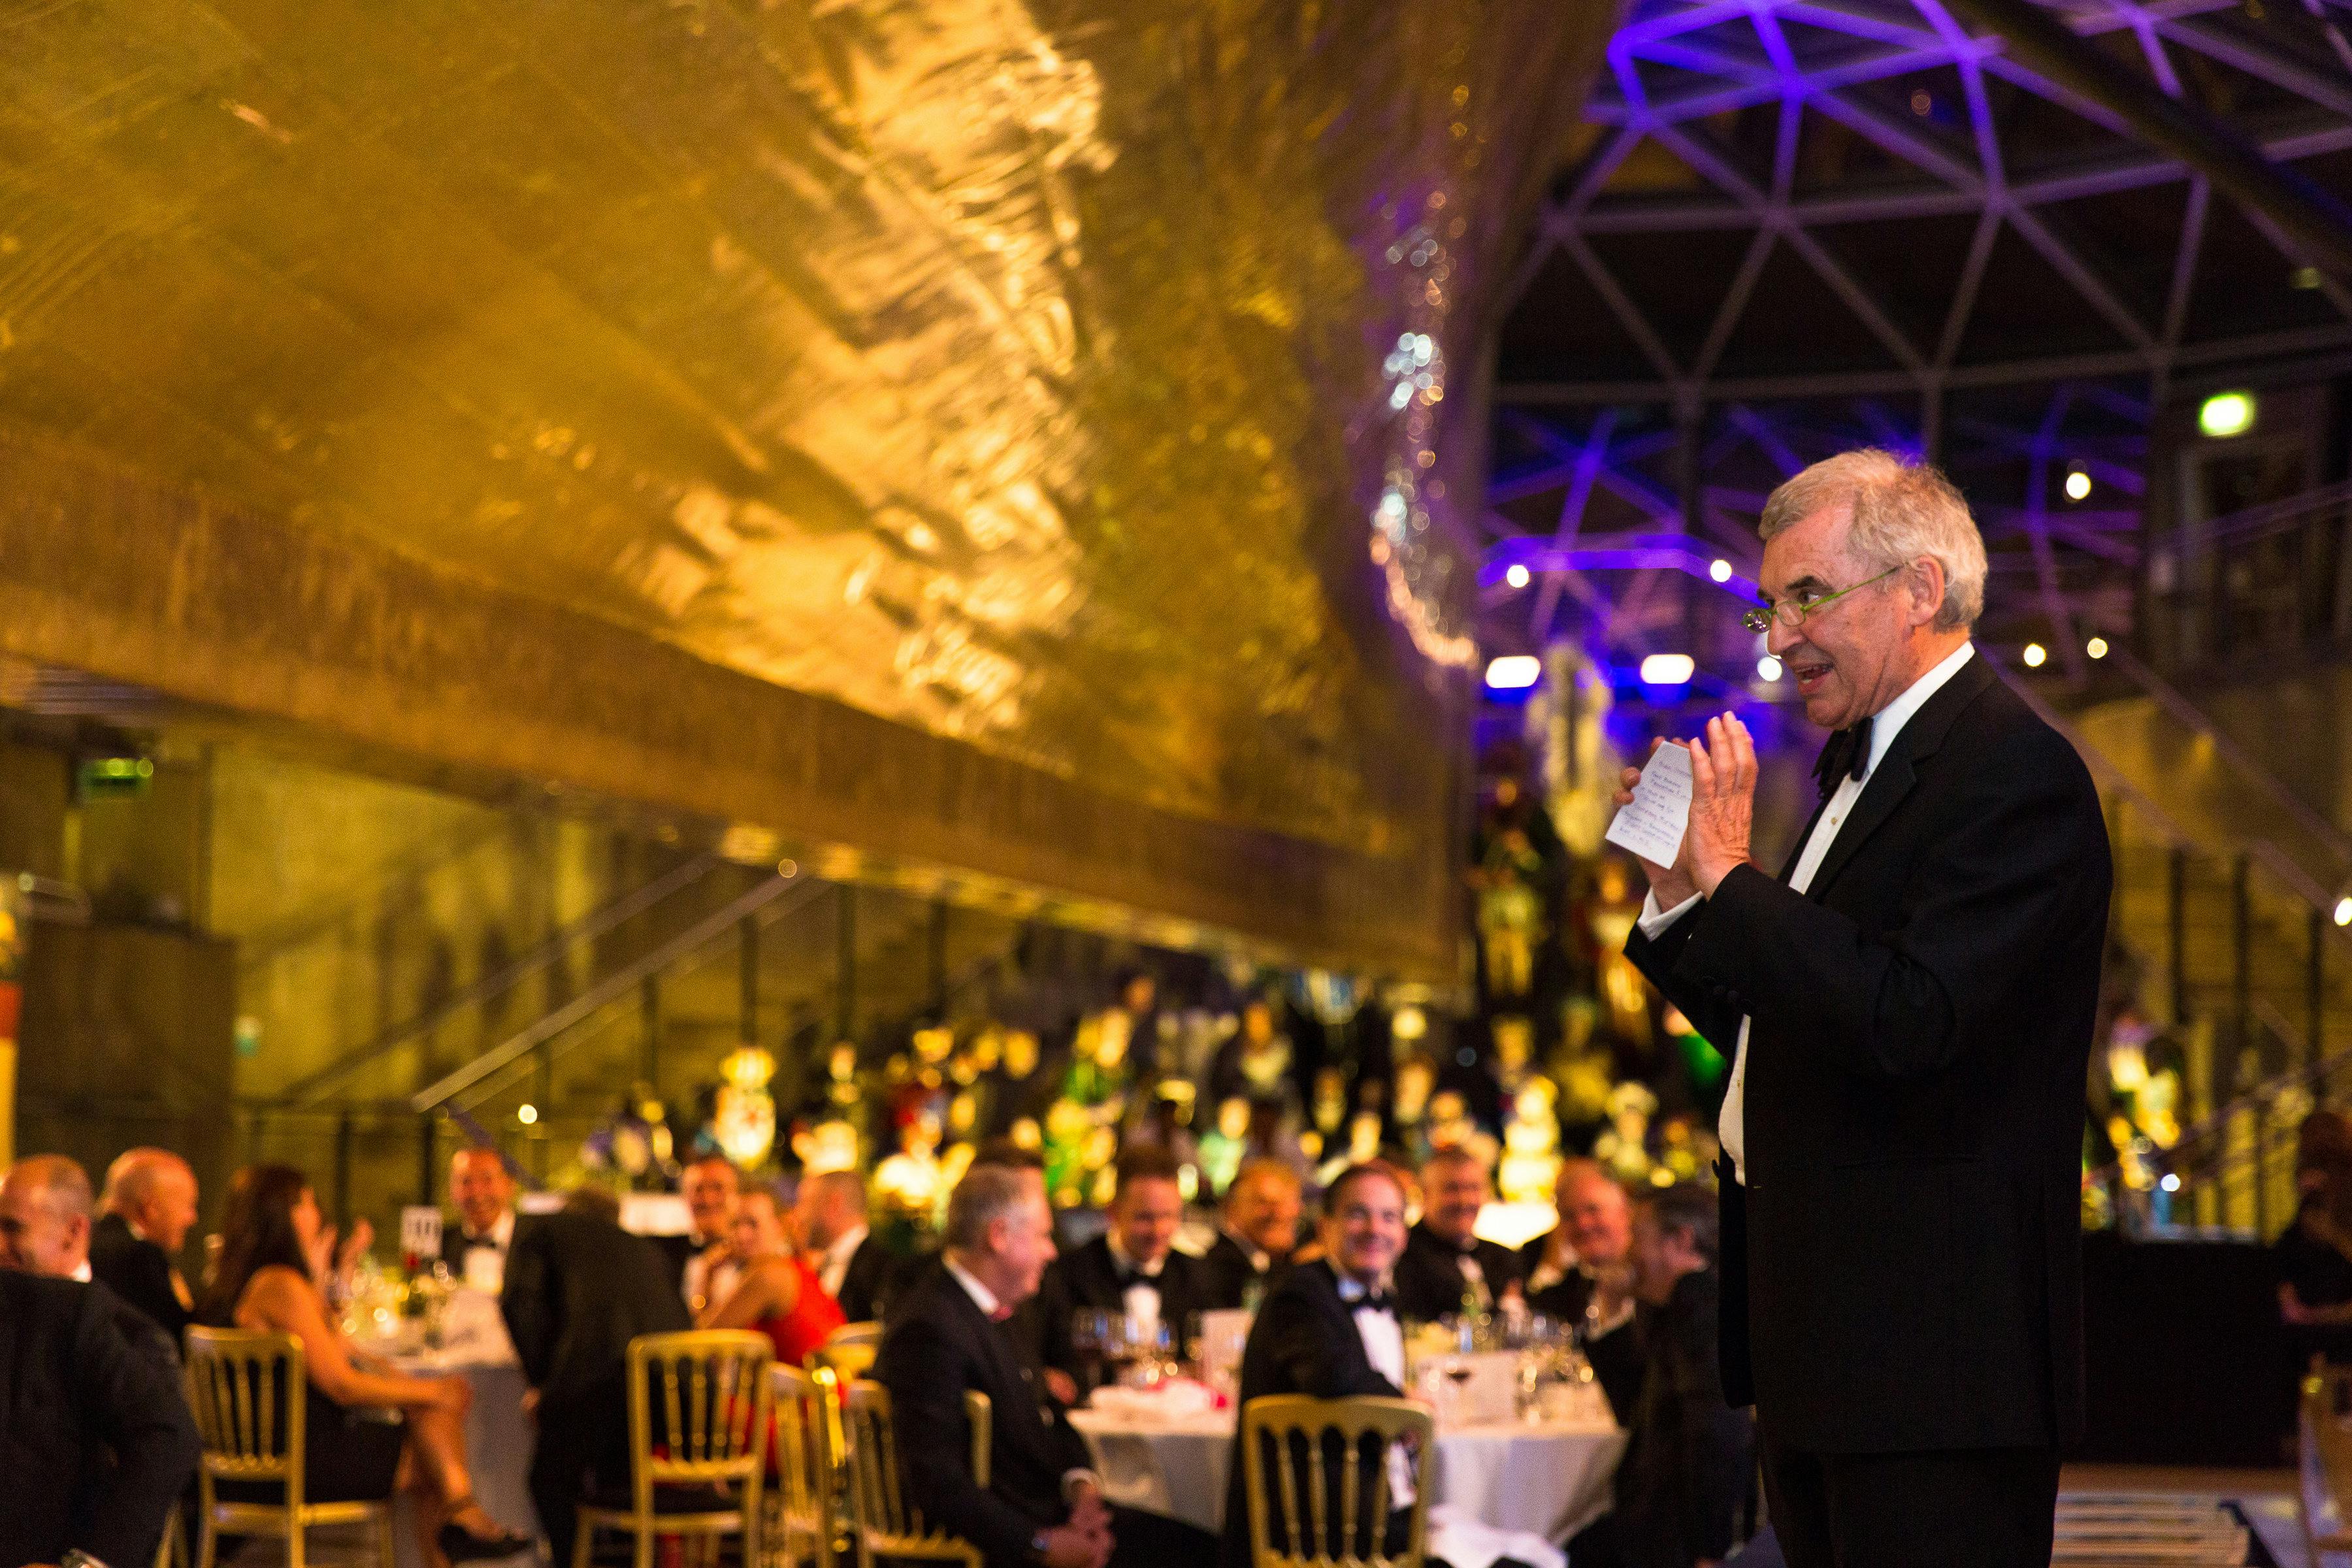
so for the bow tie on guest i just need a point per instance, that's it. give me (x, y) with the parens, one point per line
(1845, 756)
(1000, 1313)
(489, 1241)
(1361, 1299)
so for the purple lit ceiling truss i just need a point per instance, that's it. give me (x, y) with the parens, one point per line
(1795, 225)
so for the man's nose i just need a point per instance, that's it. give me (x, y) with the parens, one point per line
(1781, 637)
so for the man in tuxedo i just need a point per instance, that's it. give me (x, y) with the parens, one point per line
(146, 1212)
(1581, 1272)
(856, 1270)
(483, 1194)
(711, 1187)
(578, 1290)
(949, 1334)
(1909, 1007)
(1330, 1329)
(1133, 1267)
(1256, 1236)
(1446, 1269)
(96, 1441)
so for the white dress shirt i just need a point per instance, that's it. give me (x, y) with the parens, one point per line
(1889, 723)
(1383, 1339)
(1141, 1302)
(835, 1268)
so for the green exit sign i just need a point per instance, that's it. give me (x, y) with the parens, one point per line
(100, 776)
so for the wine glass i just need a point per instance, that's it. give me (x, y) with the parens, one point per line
(1090, 1342)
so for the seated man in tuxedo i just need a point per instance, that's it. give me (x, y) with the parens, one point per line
(1581, 1272)
(146, 1212)
(949, 1334)
(95, 1440)
(44, 1229)
(1133, 1267)
(483, 1194)
(1446, 1269)
(1256, 1234)
(1684, 1482)
(578, 1290)
(856, 1270)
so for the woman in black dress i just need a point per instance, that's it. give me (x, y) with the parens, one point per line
(368, 1427)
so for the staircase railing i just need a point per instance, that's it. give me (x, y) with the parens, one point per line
(314, 1088)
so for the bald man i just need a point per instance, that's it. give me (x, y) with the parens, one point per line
(1581, 1272)
(855, 1267)
(147, 1210)
(45, 1217)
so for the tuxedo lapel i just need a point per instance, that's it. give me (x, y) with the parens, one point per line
(1895, 773)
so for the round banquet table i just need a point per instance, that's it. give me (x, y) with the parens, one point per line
(1550, 1478)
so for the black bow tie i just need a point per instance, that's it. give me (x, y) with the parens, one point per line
(1375, 1301)
(489, 1241)
(1129, 1279)
(1845, 756)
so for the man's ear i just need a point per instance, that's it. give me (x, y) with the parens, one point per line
(1925, 578)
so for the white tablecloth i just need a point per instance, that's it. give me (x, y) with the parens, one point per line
(1549, 1479)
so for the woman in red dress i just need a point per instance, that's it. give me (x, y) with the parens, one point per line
(779, 1294)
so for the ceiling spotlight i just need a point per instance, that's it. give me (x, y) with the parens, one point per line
(2096, 647)
(1720, 571)
(1922, 100)
(1514, 672)
(2035, 653)
(2171, 1182)
(2078, 485)
(2343, 910)
(528, 1115)
(1768, 669)
(2226, 414)
(1668, 669)
(1517, 575)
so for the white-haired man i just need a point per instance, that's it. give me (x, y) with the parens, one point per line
(145, 1213)
(1909, 1007)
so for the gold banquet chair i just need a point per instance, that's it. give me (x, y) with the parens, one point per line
(849, 1350)
(248, 1391)
(2324, 1486)
(802, 1513)
(705, 1476)
(882, 1521)
(1290, 1435)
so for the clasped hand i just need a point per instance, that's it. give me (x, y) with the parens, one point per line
(1722, 811)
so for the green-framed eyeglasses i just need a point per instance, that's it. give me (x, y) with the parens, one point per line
(1791, 612)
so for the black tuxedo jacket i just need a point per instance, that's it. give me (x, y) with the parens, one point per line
(1087, 1278)
(1429, 1282)
(578, 1290)
(1902, 1271)
(138, 1272)
(1304, 1342)
(866, 1284)
(938, 1345)
(1684, 1480)
(1226, 1273)
(95, 1440)
(453, 1247)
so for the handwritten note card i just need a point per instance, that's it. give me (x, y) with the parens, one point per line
(1653, 826)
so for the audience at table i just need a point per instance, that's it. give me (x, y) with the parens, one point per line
(482, 1192)
(360, 1416)
(578, 1290)
(777, 1291)
(145, 1213)
(95, 1440)
(1043, 1502)
(1581, 1272)
(1132, 1268)
(852, 1264)
(1446, 1268)
(711, 1187)
(1256, 1233)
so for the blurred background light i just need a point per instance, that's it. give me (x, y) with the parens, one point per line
(1514, 672)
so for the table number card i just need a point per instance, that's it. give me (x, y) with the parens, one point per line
(1652, 826)
(420, 1233)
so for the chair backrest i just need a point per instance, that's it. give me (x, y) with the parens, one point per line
(246, 1391)
(803, 1463)
(2324, 1486)
(699, 1405)
(884, 1523)
(1317, 1480)
(849, 1350)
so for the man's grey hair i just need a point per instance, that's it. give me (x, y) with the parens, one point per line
(987, 1193)
(62, 1186)
(846, 1185)
(131, 1178)
(1902, 512)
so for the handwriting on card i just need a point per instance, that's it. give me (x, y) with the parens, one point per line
(1652, 826)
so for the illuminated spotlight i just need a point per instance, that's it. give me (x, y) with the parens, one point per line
(2343, 910)
(2034, 655)
(1516, 577)
(2096, 647)
(1769, 669)
(1514, 672)
(1720, 571)
(2171, 1182)
(2226, 414)
(2078, 485)
(1668, 669)
(527, 1114)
